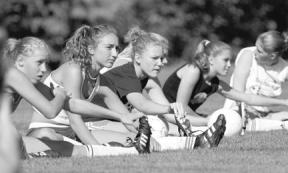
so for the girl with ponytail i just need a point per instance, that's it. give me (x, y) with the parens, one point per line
(262, 70)
(130, 81)
(27, 63)
(194, 82)
(87, 52)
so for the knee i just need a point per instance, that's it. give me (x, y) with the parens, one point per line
(44, 133)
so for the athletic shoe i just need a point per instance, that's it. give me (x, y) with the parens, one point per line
(44, 154)
(212, 136)
(142, 139)
(183, 126)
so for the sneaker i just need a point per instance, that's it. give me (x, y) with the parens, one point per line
(183, 126)
(213, 135)
(44, 154)
(142, 139)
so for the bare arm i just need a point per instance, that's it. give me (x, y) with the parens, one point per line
(118, 111)
(242, 69)
(186, 87)
(155, 92)
(156, 104)
(72, 80)
(147, 106)
(21, 84)
(251, 99)
(9, 138)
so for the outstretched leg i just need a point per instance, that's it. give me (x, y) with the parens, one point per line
(209, 138)
(213, 135)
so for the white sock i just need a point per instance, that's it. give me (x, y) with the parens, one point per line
(173, 143)
(74, 142)
(101, 150)
(262, 124)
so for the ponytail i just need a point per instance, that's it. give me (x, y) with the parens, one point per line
(204, 50)
(131, 38)
(133, 34)
(200, 58)
(10, 51)
(76, 48)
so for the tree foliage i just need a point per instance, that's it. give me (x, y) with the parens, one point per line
(183, 22)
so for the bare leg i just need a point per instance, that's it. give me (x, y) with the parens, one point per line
(283, 115)
(47, 133)
(34, 145)
(105, 136)
(107, 125)
(196, 120)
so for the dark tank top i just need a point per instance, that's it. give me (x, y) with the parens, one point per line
(200, 93)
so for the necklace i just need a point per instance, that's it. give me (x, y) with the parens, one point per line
(90, 77)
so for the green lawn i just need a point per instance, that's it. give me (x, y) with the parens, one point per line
(253, 152)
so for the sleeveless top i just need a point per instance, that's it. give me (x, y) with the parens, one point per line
(62, 117)
(200, 93)
(264, 80)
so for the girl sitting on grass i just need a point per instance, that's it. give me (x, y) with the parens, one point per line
(27, 58)
(87, 52)
(130, 80)
(262, 70)
(194, 82)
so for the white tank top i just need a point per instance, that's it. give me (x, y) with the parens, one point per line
(264, 80)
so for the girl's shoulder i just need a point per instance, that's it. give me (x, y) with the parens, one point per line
(69, 68)
(13, 74)
(246, 53)
(192, 69)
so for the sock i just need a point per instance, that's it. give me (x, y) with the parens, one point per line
(261, 124)
(172, 143)
(74, 142)
(101, 150)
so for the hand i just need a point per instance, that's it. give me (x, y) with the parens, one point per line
(60, 91)
(178, 109)
(129, 120)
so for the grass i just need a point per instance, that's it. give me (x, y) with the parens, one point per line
(253, 152)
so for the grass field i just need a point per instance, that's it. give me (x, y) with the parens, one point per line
(253, 152)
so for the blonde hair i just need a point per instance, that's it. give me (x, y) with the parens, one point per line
(138, 39)
(76, 48)
(206, 49)
(274, 42)
(25, 46)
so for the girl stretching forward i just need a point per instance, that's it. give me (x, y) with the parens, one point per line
(87, 51)
(194, 82)
(261, 70)
(130, 80)
(27, 59)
